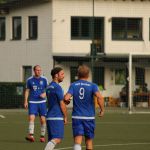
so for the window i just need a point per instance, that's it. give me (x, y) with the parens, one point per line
(120, 76)
(33, 27)
(139, 76)
(99, 76)
(27, 72)
(73, 74)
(2, 28)
(16, 28)
(126, 28)
(81, 28)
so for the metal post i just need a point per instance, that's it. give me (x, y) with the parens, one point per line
(92, 47)
(130, 84)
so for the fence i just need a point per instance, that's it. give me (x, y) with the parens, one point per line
(11, 95)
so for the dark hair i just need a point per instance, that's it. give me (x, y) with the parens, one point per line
(83, 71)
(34, 68)
(55, 71)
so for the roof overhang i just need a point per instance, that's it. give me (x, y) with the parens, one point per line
(5, 5)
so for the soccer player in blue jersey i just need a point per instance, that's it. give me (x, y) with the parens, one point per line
(83, 115)
(57, 112)
(35, 102)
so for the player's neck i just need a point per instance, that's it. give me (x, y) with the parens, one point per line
(55, 80)
(83, 79)
(37, 76)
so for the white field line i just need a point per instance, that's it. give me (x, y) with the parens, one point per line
(109, 145)
(2, 116)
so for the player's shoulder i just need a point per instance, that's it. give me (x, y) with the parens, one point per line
(29, 79)
(44, 78)
(54, 85)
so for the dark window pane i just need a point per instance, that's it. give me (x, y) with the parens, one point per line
(75, 27)
(118, 28)
(99, 76)
(27, 72)
(17, 28)
(140, 76)
(2, 28)
(134, 29)
(127, 28)
(73, 73)
(98, 27)
(33, 27)
(85, 27)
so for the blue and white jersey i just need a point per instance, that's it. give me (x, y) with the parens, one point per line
(37, 86)
(54, 94)
(83, 103)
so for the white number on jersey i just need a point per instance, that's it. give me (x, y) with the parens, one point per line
(81, 93)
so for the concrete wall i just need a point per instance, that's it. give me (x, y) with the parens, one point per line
(15, 54)
(64, 9)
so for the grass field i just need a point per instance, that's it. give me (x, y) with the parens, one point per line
(115, 131)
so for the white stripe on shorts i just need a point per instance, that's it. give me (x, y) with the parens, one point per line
(54, 118)
(37, 102)
(82, 117)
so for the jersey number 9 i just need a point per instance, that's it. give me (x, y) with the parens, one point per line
(81, 93)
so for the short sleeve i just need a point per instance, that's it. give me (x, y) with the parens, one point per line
(95, 88)
(59, 93)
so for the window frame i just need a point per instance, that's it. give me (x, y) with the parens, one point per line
(31, 35)
(3, 37)
(138, 79)
(125, 31)
(19, 35)
(80, 22)
(24, 74)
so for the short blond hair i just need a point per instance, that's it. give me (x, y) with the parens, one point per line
(83, 71)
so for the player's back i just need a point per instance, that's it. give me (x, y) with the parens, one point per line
(83, 103)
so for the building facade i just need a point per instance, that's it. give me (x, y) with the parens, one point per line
(99, 33)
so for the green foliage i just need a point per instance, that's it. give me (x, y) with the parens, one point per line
(3, 1)
(100, 87)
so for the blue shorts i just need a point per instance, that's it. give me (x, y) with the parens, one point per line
(83, 127)
(55, 129)
(37, 109)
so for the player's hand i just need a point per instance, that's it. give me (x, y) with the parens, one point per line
(67, 102)
(26, 105)
(101, 113)
(65, 120)
(43, 95)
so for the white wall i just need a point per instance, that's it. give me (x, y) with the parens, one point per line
(15, 54)
(64, 9)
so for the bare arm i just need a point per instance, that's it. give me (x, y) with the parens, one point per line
(64, 110)
(26, 95)
(100, 102)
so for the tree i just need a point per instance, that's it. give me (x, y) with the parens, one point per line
(3, 1)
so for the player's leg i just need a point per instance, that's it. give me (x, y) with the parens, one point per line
(77, 142)
(55, 133)
(89, 127)
(78, 132)
(42, 113)
(30, 136)
(43, 128)
(32, 114)
(89, 143)
(52, 143)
